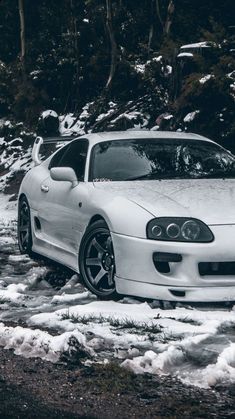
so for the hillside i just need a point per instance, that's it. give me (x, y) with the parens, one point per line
(115, 65)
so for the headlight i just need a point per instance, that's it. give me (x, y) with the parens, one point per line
(190, 230)
(179, 229)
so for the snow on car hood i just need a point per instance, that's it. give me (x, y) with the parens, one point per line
(210, 200)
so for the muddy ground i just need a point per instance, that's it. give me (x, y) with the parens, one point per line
(33, 388)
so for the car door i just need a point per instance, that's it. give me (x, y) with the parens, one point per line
(59, 206)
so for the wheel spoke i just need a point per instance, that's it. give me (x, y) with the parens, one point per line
(24, 239)
(98, 262)
(98, 246)
(99, 276)
(93, 262)
(111, 275)
(24, 215)
(109, 245)
(23, 228)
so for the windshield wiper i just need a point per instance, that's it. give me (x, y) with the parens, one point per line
(157, 176)
(145, 176)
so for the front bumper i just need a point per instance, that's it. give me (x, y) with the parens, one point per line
(137, 275)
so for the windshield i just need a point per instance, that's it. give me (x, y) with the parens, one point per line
(123, 160)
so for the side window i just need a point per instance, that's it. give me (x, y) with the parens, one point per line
(57, 157)
(74, 157)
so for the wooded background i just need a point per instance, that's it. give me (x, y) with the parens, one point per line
(119, 57)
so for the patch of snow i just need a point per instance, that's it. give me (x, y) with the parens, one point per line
(161, 363)
(190, 116)
(232, 86)
(8, 210)
(8, 124)
(167, 117)
(103, 115)
(36, 343)
(35, 72)
(203, 44)
(112, 104)
(205, 78)
(18, 258)
(15, 140)
(69, 298)
(13, 294)
(224, 369)
(181, 332)
(140, 68)
(6, 240)
(157, 59)
(168, 69)
(74, 125)
(185, 54)
(49, 112)
(231, 75)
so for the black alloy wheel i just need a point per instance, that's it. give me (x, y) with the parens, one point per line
(24, 227)
(96, 260)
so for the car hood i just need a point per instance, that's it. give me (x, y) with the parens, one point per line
(210, 200)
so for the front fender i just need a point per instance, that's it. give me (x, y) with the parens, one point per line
(125, 217)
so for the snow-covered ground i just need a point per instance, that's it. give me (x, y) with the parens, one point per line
(45, 312)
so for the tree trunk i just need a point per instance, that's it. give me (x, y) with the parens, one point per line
(75, 47)
(151, 28)
(151, 31)
(169, 18)
(22, 35)
(159, 13)
(113, 44)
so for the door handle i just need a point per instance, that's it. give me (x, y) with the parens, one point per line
(44, 188)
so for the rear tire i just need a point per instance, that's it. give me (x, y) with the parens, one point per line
(24, 230)
(96, 260)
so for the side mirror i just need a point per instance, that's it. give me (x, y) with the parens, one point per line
(65, 174)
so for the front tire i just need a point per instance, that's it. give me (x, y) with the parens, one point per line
(24, 227)
(96, 260)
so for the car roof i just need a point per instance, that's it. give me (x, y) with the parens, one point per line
(99, 137)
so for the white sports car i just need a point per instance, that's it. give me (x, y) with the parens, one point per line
(149, 214)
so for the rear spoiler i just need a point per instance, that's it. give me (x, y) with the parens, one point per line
(47, 140)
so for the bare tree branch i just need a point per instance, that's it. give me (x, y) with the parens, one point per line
(151, 28)
(22, 34)
(114, 48)
(75, 43)
(169, 17)
(159, 13)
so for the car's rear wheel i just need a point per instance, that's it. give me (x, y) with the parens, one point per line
(96, 260)
(24, 227)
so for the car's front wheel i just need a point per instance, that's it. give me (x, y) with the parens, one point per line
(96, 260)
(24, 227)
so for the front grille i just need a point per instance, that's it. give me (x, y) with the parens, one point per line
(216, 268)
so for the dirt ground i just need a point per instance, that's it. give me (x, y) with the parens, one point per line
(34, 388)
